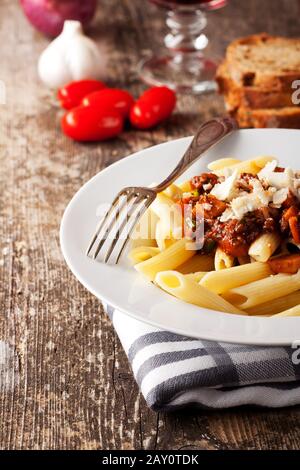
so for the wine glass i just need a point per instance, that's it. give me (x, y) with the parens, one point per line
(185, 67)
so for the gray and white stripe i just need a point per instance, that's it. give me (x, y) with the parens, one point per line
(175, 371)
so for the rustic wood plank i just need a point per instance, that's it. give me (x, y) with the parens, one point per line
(64, 379)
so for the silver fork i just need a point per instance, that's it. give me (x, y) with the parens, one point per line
(138, 199)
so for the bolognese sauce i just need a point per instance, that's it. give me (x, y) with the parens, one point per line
(235, 236)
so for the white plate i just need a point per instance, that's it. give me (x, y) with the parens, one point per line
(123, 288)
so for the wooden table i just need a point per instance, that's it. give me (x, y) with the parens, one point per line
(65, 382)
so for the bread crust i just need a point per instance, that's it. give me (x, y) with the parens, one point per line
(288, 117)
(245, 72)
(256, 80)
(247, 96)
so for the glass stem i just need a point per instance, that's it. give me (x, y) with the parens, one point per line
(185, 66)
(186, 40)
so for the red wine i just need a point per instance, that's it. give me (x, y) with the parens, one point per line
(210, 4)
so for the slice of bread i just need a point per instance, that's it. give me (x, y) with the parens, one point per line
(250, 96)
(288, 117)
(256, 80)
(265, 61)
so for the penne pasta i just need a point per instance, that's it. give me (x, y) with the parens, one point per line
(196, 276)
(169, 215)
(190, 291)
(173, 256)
(197, 263)
(144, 233)
(162, 237)
(264, 246)
(248, 166)
(142, 253)
(276, 305)
(185, 186)
(291, 312)
(243, 167)
(262, 160)
(162, 206)
(222, 260)
(261, 291)
(174, 192)
(222, 163)
(242, 208)
(226, 279)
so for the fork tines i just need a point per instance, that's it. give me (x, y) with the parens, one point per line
(119, 221)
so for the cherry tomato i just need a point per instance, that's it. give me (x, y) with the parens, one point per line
(71, 94)
(86, 123)
(110, 98)
(153, 107)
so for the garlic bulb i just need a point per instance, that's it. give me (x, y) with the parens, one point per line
(71, 56)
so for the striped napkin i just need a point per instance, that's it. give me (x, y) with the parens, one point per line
(174, 371)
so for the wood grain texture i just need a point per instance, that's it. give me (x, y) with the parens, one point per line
(64, 379)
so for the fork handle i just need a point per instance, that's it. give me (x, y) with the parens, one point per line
(210, 133)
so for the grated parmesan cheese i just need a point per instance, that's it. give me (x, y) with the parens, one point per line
(280, 196)
(226, 190)
(271, 188)
(285, 180)
(207, 186)
(250, 202)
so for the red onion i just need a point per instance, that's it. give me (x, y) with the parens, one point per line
(48, 16)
